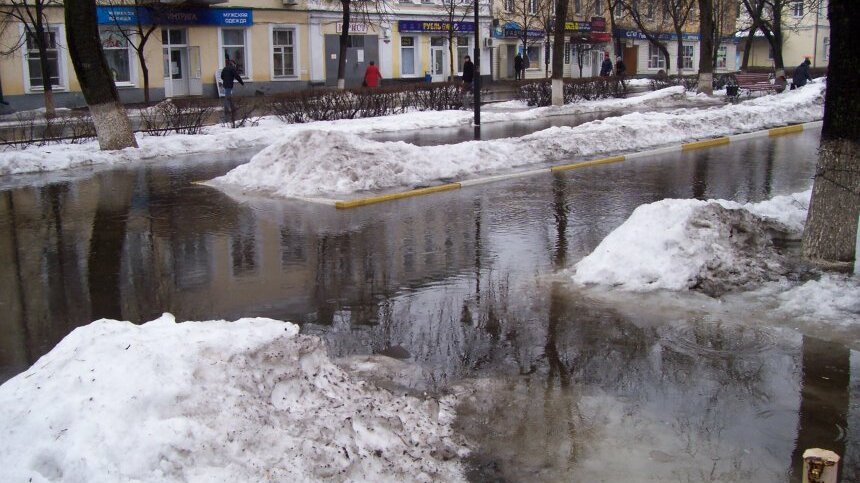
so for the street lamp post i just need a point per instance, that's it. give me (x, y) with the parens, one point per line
(476, 82)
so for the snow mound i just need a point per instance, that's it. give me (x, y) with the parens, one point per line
(836, 297)
(250, 400)
(317, 163)
(712, 246)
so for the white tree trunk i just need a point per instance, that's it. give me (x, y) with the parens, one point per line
(706, 83)
(557, 92)
(112, 126)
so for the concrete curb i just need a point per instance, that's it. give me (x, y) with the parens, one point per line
(695, 145)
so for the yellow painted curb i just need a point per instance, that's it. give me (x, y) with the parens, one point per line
(705, 144)
(779, 131)
(585, 164)
(342, 205)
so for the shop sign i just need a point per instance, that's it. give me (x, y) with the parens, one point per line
(577, 26)
(228, 17)
(354, 28)
(663, 36)
(422, 26)
(598, 24)
(518, 33)
(599, 37)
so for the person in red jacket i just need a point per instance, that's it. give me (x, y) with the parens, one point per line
(372, 75)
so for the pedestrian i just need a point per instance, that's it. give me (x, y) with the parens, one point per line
(229, 74)
(526, 63)
(606, 66)
(518, 67)
(372, 75)
(468, 73)
(801, 74)
(620, 68)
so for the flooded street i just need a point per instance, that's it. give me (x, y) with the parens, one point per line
(470, 288)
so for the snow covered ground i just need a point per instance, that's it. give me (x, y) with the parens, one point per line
(250, 400)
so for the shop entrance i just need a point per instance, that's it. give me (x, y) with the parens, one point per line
(175, 62)
(437, 59)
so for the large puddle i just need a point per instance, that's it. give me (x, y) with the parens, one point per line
(469, 287)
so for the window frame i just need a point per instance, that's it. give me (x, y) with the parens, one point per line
(246, 36)
(534, 64)
(132, 55)
(412, 47)
(654, 53)
(296, 49)
(692, 51)
(468, 47)
(797, 8)
(723, 57)
(62, 77)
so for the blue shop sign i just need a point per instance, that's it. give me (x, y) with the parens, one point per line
(434, 26)
(227, 17)
(662, 36)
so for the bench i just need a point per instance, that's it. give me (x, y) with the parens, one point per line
(755, 82)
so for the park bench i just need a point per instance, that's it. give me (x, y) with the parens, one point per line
(753, 82)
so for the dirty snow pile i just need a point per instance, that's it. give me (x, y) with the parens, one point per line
(713, 246)
(315, 163)
(250, 400)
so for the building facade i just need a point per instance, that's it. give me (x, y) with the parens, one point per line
(806, 34)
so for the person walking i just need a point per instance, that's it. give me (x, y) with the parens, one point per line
(606, 66)
(620, 68)
(229, 74)
(468, 73)
(372, 75)
(518, 67)
(801, 74)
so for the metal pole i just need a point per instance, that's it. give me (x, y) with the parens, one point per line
(477, 80)
(815, 42)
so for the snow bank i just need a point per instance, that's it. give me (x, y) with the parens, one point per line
(714, 246)
(318, 163)
(249, 400)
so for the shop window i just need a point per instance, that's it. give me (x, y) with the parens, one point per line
(407, 56)
(233, 47)
(655, 58)
(116, 46)
(173, 37)
(462, 52)
(533, 52)
(34, 65)
(688, 56)
(722, 54)
(283, 52)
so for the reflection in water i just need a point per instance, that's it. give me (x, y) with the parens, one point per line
(559, 386)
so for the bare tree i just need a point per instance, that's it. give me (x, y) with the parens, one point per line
(678, 11)
(36, 36)
(725, 24)
(525, 14)
(112, 125)
(561, 9)
(456, 12)
(648, 24)
(706, 46)
(829, 238)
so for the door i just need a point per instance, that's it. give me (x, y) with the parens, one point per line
(360, 50)
(631, 59)
(596, 61)
(437, 59)
(511, 51)
(175, 62)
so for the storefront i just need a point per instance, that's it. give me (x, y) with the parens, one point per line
(508, 39)
(423, 48)
(642, 57)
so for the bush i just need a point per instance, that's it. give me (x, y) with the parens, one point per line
(540, 93)
(168, 116)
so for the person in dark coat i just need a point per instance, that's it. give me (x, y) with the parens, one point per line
(468, 73)
(606, 66)
(620, 68)
(229, 74)
(518, 67)
(801, 74)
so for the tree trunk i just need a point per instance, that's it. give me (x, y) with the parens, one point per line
(145, 71)
(112, 125)
(680, 58)
(778, 63)
(344, 40)
(47, 85)
(831, 224)
(706, 46)
(558, 53)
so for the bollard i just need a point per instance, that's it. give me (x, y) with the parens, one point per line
(820, 466)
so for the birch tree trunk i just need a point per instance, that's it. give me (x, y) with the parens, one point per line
(112, 125)
(706, 46)
(831, 224)
(558, 53)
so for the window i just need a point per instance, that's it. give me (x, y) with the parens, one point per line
(283, 52)
(721, 57)
(533, 53)
(115, 46)
(797, 8)
(509, 5)
(533, 6)
(577, 6)
(407, 56)
(34, 65)
(233, 48)
(649, 9)
(688, 56)
(655, 59)
(826, 49)
(462, 51)
(566, 53)
(618, 12)
(598, 7)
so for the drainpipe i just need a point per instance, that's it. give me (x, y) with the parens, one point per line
(815, 44)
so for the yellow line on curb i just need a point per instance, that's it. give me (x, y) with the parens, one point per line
(585, 164)
(705, 144)
(342, 205)
(779, 131)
